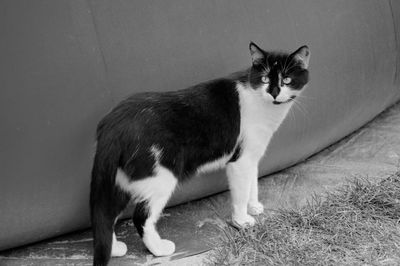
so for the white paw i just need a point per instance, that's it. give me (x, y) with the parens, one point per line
(255, 208)
(119, 249)
(164, 247)
(243, 222)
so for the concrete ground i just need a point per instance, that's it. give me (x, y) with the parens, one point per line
(372, 151)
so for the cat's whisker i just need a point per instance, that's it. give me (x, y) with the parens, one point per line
(303, 110)
(287, 64)
(299, 107)
(296, 109)
(265, 67)
(290, 66)
(300, 111)
(306, 97)
(300, 98)
(259, 75)
(284, 65)
(296, 106)
(291, 112)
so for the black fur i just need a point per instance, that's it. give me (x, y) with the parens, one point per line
(139, 217)
(191, 127)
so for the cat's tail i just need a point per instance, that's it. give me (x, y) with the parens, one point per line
(106, 203)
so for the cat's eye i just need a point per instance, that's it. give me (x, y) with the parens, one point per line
(265, 79)
(287, 80)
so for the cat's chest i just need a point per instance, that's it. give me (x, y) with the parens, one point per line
(259, 121)
(256, 133)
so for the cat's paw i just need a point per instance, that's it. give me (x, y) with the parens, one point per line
(167, 247)
(244, 221)
(255, 208)
(163, 247)
(119, 249)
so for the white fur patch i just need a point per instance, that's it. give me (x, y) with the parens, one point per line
(119, 248)
(164, 182)
(156, 190)
(260, 118)
(156, 153)
(214, 165)
(154, 243)
(161, 184)
(286, 93)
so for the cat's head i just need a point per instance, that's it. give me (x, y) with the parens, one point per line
(279, 76)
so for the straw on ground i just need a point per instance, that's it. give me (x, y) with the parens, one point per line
(358, 224)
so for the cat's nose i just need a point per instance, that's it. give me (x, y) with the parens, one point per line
(274, 92)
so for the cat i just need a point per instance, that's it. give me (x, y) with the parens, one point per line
(152, 141)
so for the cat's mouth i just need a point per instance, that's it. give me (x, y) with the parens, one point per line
(289, 100)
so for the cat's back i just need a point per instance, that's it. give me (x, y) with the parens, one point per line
(195, 108)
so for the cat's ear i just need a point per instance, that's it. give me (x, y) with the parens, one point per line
(257, 54)
(303, 55)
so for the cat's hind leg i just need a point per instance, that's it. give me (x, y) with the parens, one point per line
(152, 194)
(119, 248)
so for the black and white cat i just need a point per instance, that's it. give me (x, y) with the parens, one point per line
(151, 142)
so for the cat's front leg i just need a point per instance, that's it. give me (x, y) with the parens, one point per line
(240, 176)
(255, 207)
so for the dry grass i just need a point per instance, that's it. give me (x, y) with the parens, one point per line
(358, 224)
